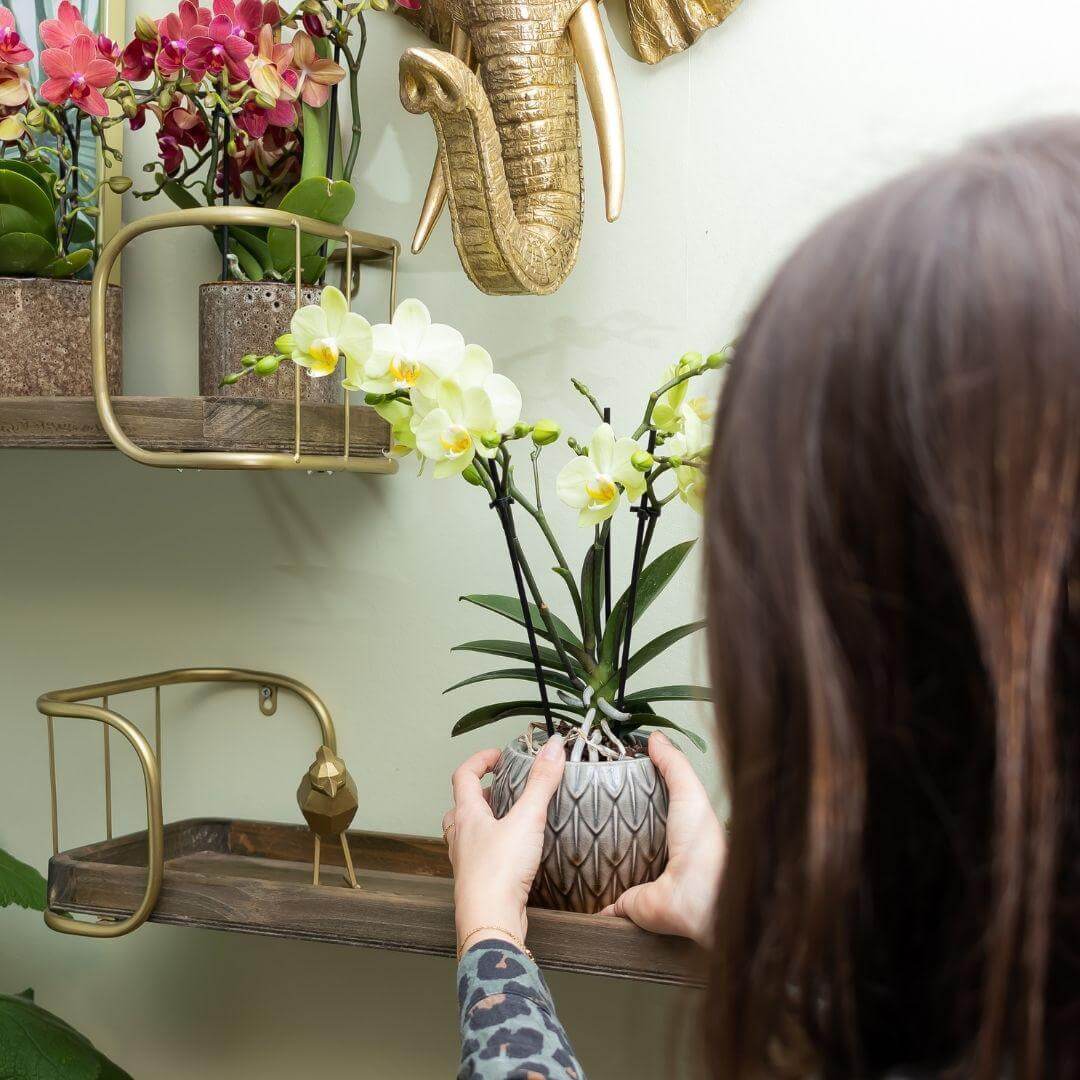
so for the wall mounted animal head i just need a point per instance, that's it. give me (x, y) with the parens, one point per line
(502, 92)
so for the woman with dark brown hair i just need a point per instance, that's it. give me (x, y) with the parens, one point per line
(891, 537)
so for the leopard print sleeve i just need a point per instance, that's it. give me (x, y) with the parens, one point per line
(509, 1030)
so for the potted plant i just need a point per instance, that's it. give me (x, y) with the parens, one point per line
(444, 402)
(50, 204)
(244, 98)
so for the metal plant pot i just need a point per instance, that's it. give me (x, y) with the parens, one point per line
(241, 317)
(45, 338)
(606, 828)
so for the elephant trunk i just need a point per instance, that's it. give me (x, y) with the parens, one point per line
(512, 135)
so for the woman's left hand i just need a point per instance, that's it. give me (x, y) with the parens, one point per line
(495, 860)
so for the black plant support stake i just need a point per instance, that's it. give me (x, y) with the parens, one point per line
(647, 515)
(219, 116)
(607, 552)
(502, 504)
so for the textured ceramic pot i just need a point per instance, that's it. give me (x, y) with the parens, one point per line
(241, 317)
(45, 338)
(606, 828)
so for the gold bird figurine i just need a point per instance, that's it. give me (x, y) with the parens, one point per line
(328, 801)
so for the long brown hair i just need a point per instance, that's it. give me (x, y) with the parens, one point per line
(891, 527)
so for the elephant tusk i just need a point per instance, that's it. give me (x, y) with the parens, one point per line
(598, 75)
(435, 199)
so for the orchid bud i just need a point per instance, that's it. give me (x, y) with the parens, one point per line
(717, 360)
(379, 5)
(675, 462)
(119, 184)
(545, 432)
(188, 86)
(250, 360)
(691, 360)
(491, 439)
(129, 107)
(231, 379)
(642, 460)
(35, 119)
(165, 99)
(313, 24)
(284, 344)
(145, 28)
(575, 445)
(471, 476)
(267, 365)
(150, 166)
(521, 429)
(374, 399)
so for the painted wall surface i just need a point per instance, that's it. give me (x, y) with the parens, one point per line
(350, 583)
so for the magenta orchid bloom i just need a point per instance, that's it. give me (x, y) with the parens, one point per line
(316, 74)
(61, 32)
(137, 59)
(77, 74)
(15, 88)
(224, 46)
(255, 120)
(13, 50)
(177, 31)
(249, 16)
(180, 127)
(108, 49)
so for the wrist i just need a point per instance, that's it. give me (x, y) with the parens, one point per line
(505, 920)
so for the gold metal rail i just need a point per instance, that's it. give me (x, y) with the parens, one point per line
(74, 703)
(359, 247)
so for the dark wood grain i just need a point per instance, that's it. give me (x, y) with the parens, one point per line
(190, 424)
(255, 878)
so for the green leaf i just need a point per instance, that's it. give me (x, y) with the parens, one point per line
(24, 252)
(40, 176)
(311, 268)
(68, 265)
(179, 195)
(255, 245)
(649, 720)
(319, 198)
(671, 693)
(518, 650)
(592, 599)
(20, 884)
(510, 608)
(653, 649)
(552, 678)
(82, 232)
(489, 714)
(25, 207)
(316, 128)
(36, 1045)
(653, 579)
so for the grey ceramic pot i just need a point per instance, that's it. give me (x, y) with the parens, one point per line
(606, 828)
(45, 337)
(241, 317)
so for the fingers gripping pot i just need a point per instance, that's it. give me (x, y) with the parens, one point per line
(606, 827)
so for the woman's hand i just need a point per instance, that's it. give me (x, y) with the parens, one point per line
(680, 901)
(495, 861)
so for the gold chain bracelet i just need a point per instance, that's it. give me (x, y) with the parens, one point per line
(502, 930)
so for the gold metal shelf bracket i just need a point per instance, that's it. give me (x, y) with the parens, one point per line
(359, 247)
(75, 703)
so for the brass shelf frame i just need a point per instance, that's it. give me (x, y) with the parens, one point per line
(360, 247)
(74, 703)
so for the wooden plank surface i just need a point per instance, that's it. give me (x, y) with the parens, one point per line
(255, 878)
(190, 424)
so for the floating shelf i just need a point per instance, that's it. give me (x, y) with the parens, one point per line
(255, 878)
(206, 424)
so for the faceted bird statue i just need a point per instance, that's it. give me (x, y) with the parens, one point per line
(328, 801)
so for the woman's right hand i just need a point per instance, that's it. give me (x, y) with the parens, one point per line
(681, 900)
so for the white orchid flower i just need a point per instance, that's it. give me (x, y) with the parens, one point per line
(411, 352)
(465, 410)
(667, 414)
(692, 442)
(320, 334)
(399, 415)
(590, 484)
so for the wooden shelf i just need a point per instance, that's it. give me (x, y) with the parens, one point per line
(159, 423)
(255, 878)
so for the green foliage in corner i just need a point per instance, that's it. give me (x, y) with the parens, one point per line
(20, 884)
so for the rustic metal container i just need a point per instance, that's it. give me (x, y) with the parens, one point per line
(606, 828)
(241, 317)
(45, 338)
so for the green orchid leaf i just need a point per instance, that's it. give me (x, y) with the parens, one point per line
(671, 693)
(489, 714)
(571, 586)
(653, 649)
(44, 177)
(20, 884)
(254, 245)
(519, 650)
(650, 720)
(25, 206)
(312, 268)
(592, 599)
(82, 232)
(68, 265)
(652, 582)
(319, 198)
(35, 1043)
(180, 195)
(510, 608)
(316, 129)
(23, 253)
(552, 678)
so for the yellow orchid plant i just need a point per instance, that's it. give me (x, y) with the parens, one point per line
(445, 402)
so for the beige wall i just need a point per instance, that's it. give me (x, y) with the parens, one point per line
(350, 583)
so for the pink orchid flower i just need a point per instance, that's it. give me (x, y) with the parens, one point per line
(255, 120)
(13, 50)
(224, 46)
(108, 49)
(317, 74)
(137, 60)
(269, 67)
(15, 88)
(61, 32)
(177, 32)
(77, 74)
(249, 15)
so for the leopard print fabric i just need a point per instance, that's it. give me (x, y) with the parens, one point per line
(509, 1030)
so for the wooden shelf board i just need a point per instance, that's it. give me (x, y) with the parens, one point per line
(255, 878)
(164, 423)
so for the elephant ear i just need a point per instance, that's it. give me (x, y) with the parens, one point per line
(433, 18)
(662, 27)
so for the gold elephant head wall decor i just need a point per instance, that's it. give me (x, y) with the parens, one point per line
(501, 89)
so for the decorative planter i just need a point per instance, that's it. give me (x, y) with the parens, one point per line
(241, 317)
(45, 338)
(606, 828)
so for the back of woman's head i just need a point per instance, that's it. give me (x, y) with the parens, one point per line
(895, 614)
